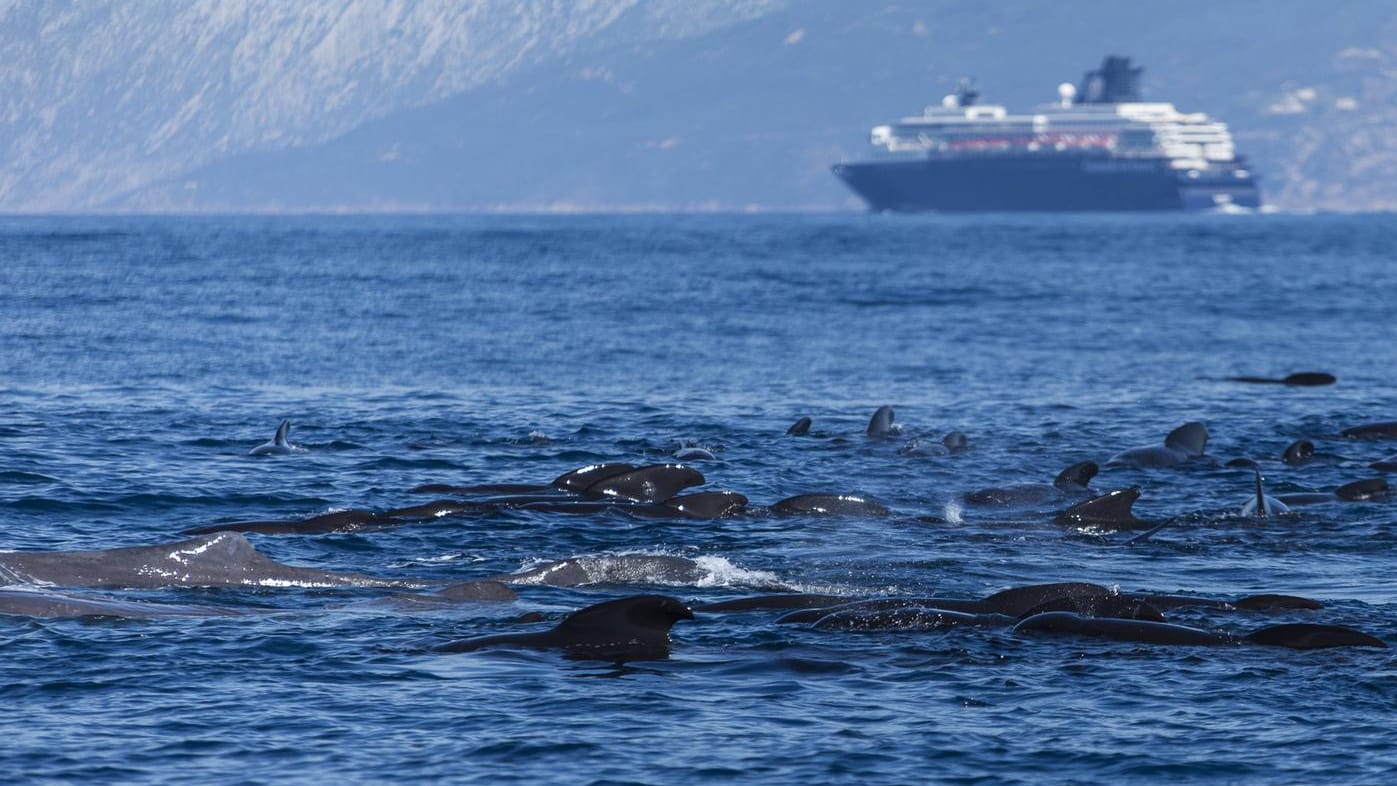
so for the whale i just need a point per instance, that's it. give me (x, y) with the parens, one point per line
(1299, 452)
(1386, 430)
(278, 445)
(1388, 464)
(44, 603)
(611, 569)
(1296, 635)
(799, 428)
(1009, 604)
(1112, 510)
(345, 521)
(1071, 482)
(910, 618)
(829, 505)
(223, 559)
(881, 424)
(633, 628)
(954, 442)
(703, 505)
(1366, 490)
(1182, 444)
(1298, 379)
(1259, 505)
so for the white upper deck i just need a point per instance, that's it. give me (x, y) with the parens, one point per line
(1127, 130)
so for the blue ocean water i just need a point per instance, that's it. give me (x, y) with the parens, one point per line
(141, 359)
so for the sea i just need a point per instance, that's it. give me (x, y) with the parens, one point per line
(143, 358)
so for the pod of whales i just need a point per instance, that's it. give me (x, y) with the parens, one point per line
(634, 628)
(1183, 443)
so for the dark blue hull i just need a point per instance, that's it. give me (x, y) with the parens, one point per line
(1044, 183)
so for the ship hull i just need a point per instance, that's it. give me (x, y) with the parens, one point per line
(1043, 183)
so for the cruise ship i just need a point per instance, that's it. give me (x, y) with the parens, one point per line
(1099, 147)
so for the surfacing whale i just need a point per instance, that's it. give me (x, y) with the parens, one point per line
(1183, 443)
(1387, 430)
(1259, 505)
(1297, 635)
(224, 559)
(799, 428)
(1071, 482)
(1366, 490)
(278, 445)
(1298, 379)
(1112, 510)
(49, 604)
(881, 424)
(634, 628)
(830, 505)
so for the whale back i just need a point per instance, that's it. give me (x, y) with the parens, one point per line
(708, 504)
(579, 479)
(655, 483)
(1298, 452)
(1360, 490)
(1310, 636)
(830, 505)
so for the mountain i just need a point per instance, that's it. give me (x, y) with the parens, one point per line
(624, 105)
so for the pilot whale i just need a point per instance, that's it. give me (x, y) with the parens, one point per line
(1183, 443)
(1296, 635)
(278, 445)
(634, 628)
(46, 603)
(224, 559)
(1071, 482)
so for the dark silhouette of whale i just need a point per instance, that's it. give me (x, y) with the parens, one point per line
(881, 424)
(634, 628)
(1071, 482)
(1183, 443)
(704, 505)
(799, 428)
(1298, 379)
(830, 505)
(224, 559)
(1298, 635)
(46, 603)
(1387, 430)
(1112, 510)
(1366, 490)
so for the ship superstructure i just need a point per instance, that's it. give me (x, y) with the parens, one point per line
(1099, 147)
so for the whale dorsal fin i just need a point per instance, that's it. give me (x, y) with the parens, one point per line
(881, 424)
(1077, 476)
(281, 431)
(1113, 508)
(1260, 495)
(1191, 438)
(627, 618)
(1298, 452)
(799, 428)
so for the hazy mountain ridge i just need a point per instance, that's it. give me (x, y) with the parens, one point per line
(104, 96)
(613, 104)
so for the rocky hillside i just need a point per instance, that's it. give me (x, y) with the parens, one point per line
(619, 104)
